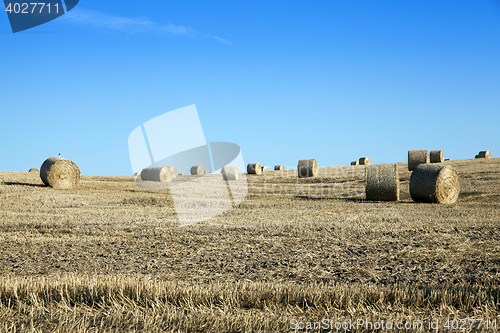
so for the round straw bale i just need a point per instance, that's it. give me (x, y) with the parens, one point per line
(307, 168)
(355, 163)
(230, 172)
(484, 154)
(181, 174)
(34, 170)
(207, 173)
(279, 168)
(265, 169)
(382, 182)
(159, 174)
(448, 159)
(254, 169)
(137, 175)
(197, 170)
(435, 183)
(417, 157)
(436, 156)
(365, 161)
(59, 172)
(477, 156)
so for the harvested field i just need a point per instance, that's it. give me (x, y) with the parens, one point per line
(110, 255)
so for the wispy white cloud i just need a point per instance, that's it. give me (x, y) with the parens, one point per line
(220, 39)
(99, 20)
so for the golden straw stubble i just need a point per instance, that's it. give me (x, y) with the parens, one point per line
(60, 173)
(435, 183)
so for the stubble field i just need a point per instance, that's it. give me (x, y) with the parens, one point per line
(110, 256)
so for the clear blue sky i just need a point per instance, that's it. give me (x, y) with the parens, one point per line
(285, 80)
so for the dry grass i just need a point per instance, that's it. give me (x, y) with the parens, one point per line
(110, 256)
(123, 304)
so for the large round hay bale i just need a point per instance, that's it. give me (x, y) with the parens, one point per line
(197, 170)
(355, 163)
(435, 183)
(230, 172)
(436, 156)
(34, 170)
(254, 169)
(265, 169)
(417, 157)
(382, 182)
(58, 172)
(279, 168)
(307, 168)
(484, 154)
(365, 161)
(159, 174)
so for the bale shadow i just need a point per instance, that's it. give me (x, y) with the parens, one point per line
(356, 200)
(305, 197)
(25, 184)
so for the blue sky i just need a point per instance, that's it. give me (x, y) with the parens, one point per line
(285, 80)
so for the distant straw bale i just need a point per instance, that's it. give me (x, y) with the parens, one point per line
(417, 157)
(197, 170)
(265, 169)
(208, 173)
(230, 172)
(307, 168)
(365, 161)
(137, 176)
(435, 183)
(159, 174)
(436, 156)
(60, 173)
(34, 170)
(355, 162)
(279, 168)
(382, 182)
(254, 169)
(484, 154)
